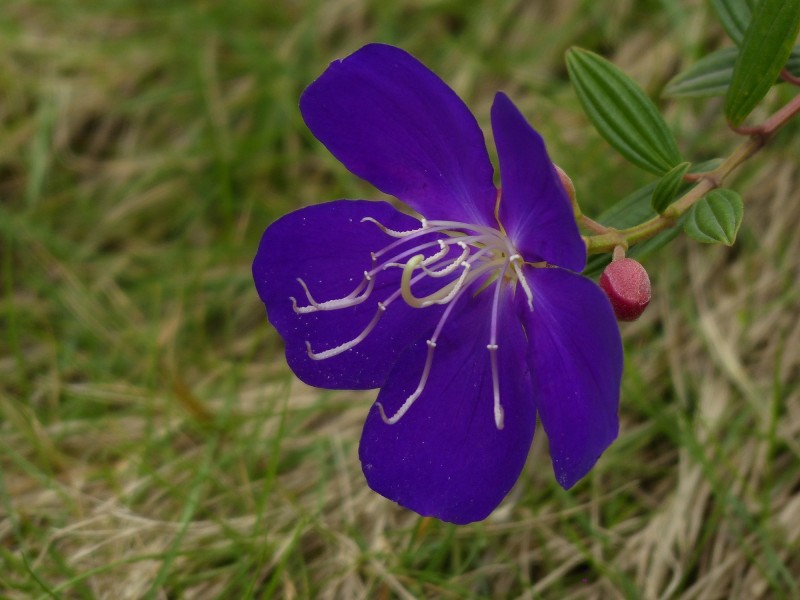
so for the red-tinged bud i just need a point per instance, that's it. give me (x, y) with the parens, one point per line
(627, 285)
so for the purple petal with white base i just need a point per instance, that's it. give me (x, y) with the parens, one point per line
(328, 247)
(575, 355)
(465, 334)
(446, 457)
(391, 120)
(534, 209)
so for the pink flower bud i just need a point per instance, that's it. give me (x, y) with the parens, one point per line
(627, 285)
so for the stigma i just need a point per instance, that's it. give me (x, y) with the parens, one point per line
(453, 262)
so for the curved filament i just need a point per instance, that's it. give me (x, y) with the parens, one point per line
(416, 394)
(357, 296)
(352, 343)
(392, 232)
(452, 266)
(425, 371)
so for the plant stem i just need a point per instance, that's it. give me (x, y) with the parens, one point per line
(758, 136)
(592, 225)
(787, 76)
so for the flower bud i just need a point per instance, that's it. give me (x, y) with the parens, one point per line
(627, 285)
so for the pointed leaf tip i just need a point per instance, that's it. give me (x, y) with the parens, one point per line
(622, 112)
(716, 218)
(668, 188)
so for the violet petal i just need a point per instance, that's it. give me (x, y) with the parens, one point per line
(445, 457)
(534, 208)
(329, 247)
(575, 354)
(392, 121)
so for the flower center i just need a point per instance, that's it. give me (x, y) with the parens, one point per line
(448, 257)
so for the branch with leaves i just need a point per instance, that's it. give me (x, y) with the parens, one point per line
(688, 197)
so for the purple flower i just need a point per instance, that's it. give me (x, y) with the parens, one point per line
(471, 319)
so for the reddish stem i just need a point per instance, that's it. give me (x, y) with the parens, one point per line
(787, 76)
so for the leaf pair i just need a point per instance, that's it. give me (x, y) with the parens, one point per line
(714, 218)
(765, 37)
(764, 50)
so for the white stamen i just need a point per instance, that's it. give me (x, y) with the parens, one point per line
(456, 287)
(487, 257)
(382, 307)
(493, 347)
(394, 233)
(426, 229)
(413, 397)
(448, 291)
(352, 343)
(499, 413)
(392, 262)
(444, 246)
(425, 371)
(450, 267)
(455, 225)
(515, 260)
(444, 250)
(357, 296)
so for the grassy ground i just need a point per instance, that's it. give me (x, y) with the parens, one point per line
(154, 445)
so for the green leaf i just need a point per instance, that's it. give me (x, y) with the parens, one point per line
(711, 75)
(621, 112)
(668, 188)
(764, 51)
(631, 210)
(715, 218)
(735, 16)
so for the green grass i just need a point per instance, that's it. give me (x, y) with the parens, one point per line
(153, 443)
